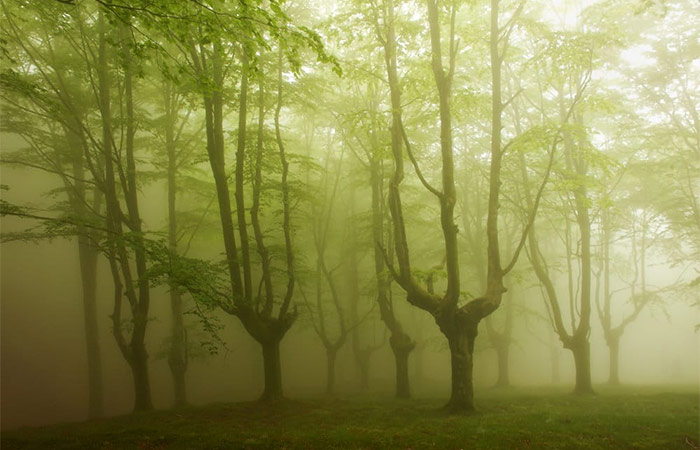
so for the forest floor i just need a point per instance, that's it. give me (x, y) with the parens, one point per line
(513, 418)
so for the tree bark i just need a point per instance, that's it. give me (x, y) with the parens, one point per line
(272, 366)
(582, 359)
(402, 345)
(139, 370)
(88, 274)
(461, 344)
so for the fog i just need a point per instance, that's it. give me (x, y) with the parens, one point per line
(507, 204)
(44, 373)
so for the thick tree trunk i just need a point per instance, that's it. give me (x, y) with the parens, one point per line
(142, 387)
(614, 347)
(88, 271)
(503, 353)
(402, 346)
(582, 360)
(331, 354)
(273, 370)
(461, 343)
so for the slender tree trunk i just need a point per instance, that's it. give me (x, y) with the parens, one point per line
(614, 347)
(177, 359)
(87, 255)
(503, 353)
(401, 343)
(501, 344)
(136, 286)
(331, 354)
(419, 364)
(363, 366)
(273, 370)
(88, 271)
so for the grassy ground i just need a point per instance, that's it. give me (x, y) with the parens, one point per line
(627, 418)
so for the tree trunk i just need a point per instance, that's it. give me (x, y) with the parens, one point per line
(402, 346)
(139, 370)
(273, 370)
(461, 343)
(554, 361)
(582, 360)
(331, 354)
(177, 360)
(362, 360)
(503, 352)
(614, 347)
(88, 270)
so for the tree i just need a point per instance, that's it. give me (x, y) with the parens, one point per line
(56, 147)
(102, 58)
(457, 322)
(321, 217)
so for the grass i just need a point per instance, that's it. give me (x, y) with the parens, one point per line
(624, 418)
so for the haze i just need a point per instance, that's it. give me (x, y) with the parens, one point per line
(227, 201)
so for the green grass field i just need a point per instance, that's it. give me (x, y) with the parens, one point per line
(656, 418)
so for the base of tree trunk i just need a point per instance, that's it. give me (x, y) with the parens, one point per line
(614, 347)
(179, 386)
(142, 386)
(460, 338)
(582, 360)
(503, 367)
(88, 273)
(364, 377)
(273, 371)
(330, 371)
(363, 366)
(402, 345)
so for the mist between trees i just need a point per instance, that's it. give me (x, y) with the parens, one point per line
(218, 201)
